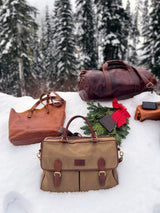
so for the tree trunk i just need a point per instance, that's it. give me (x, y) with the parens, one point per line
(21, 77)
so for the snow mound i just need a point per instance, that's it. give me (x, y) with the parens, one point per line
(139, 173)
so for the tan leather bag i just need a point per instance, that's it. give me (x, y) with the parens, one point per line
(33, 125)
(142, 114)
(79, 163)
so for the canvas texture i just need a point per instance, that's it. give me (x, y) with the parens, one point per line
(84, 163)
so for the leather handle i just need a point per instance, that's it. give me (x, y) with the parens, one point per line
(129, 68)
(93, 134)
(116, 62)
(48, 94)
(47, 98)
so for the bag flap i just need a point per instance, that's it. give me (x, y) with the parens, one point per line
(79, 153)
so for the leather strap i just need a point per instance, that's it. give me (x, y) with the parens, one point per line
(129, 68)
(108, 82)
(102, 173)
(48, 98)
(145, 80)
(93, 134)
(57, 173)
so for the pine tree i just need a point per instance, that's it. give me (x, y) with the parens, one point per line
(135, 33)
(151, 33)
(47, 52)
(86, 34)
(66, 72)
(112, 17)
(16, 55)
(36, 66)
(129, 27)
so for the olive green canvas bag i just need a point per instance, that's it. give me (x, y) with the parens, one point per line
(76, 163)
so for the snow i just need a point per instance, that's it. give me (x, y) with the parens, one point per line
(7, 47)
(139, 173)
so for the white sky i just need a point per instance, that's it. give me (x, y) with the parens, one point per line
(41, 4)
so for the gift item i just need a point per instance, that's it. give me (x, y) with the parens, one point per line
(79, 163)
(108, 122)
(116, 126)
(149, 105)
(150, 114)
(115, 79)
(121, 115)
(33, 125)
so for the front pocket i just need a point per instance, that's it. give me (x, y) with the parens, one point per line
(69, 182)
(89, 180)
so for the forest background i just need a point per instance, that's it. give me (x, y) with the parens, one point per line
(37, 55)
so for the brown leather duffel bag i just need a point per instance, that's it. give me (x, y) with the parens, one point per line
(33, 125)
(115, 79)
(79, 163)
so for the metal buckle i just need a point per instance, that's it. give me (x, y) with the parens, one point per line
(61, 139)
(81, 72)
(58, 173)
(101, 172)
(150, 85)
(121, 155)
(39, 155)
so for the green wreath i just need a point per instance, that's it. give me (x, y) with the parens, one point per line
(96, 112)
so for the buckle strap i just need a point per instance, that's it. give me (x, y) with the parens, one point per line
(101, 173)
(57, 173)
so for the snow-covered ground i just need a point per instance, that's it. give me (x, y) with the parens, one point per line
(139, 174)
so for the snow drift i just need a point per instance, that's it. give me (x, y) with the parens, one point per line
(139, 173)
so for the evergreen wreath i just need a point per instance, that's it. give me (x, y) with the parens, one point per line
(96, 112)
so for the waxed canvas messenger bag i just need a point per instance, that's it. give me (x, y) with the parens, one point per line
(78, 163)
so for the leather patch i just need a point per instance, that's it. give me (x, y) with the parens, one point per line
(79, 162)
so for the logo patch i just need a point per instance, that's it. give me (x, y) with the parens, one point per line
(79, 162)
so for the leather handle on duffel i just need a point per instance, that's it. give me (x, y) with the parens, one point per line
(129, 68)
(116, 62)
(48, 98)
(93, 134)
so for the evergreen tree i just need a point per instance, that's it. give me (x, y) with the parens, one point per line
(86, 34)
(36, 66)
(47, 52)
(145, 29)
(151, 33)
(134, 36)
(129, 27)
(112, 27)
(16, 55)
(64, 46)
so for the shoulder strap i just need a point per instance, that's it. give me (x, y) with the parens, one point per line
(148, 83)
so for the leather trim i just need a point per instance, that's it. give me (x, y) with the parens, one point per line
(96, 169)
(57, 174)
(102, 174)
(79, 162)
(108, 82)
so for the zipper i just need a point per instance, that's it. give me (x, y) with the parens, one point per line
(79, 140)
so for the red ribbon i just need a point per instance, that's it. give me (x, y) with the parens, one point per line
(121, 114)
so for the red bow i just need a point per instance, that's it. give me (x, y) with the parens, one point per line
(121, 114)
